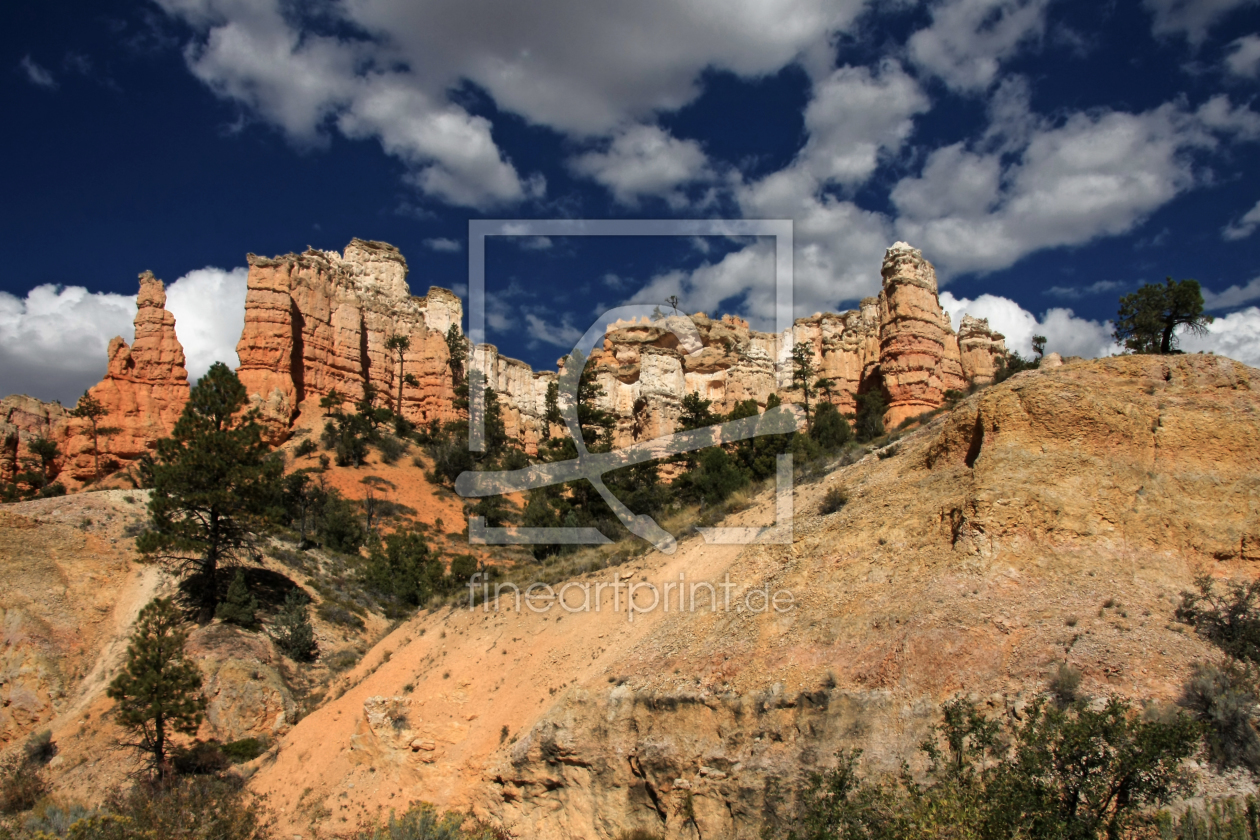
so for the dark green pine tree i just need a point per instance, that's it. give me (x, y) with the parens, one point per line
(159, 689)
(292, 631)
(1149, 318)
(240, 607)
(214, 482)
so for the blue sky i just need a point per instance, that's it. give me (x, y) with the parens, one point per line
(1046, 155)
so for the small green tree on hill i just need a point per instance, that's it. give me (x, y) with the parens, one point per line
(240, 607)
(89, 408)
(46, 451)
(159, 689)
(331, 401)
(292, 631)
(214, 484)
(803, 371)
(1149, 318)
(399, 344)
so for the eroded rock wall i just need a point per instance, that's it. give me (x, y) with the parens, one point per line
(319, 321)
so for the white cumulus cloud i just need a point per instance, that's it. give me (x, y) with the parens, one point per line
(53, 341)
(1066, 334)
(209, 309)
(1237, 336)
(645, 161)
(1092, 174)
(968, 40)
(1233, 296)
(1192, 18)
(1244, 57)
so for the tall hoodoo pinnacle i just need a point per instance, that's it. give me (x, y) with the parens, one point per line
(919, 356)
(144, 390)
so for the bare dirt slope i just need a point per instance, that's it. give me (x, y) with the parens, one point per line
(1053, 518)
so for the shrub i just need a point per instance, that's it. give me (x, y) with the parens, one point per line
(338, 527)
(306, 447)
(246, 749)
(869, 423)
(187, 809)
(334, 613)
(200, 758)
(21, 786)
(423, 822)
(342, 660)
(1230, 621)
(391, 448)
(1061, 773)
(1223, 700)
(39, 748)
(833, 500)
(830, 429)
(1065, 684)
(292, 631)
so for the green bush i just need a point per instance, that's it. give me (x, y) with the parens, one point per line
(246, 749)
(337, 525)
(391, 448)
(830, 429)
(423, 822)
(1224, 701)
(199, 759)
(1073, 773)
(1065, 685)
(869, 422)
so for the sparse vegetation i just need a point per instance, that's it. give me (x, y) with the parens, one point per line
(1224, 701)
(833, 500)
(292, 631)
(1075, 772)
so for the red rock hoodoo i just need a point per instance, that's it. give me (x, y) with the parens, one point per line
(144, 391)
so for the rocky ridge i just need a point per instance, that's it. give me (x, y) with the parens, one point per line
(319, 321)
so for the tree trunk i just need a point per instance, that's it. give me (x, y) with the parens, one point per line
(96, 455)
(1165, 345)
(400, 382)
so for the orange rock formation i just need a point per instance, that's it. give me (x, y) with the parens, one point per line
(143, 392)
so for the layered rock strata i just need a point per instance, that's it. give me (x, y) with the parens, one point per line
(319, 321)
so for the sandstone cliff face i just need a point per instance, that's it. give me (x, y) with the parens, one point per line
(23, 419)
(975, 559)
(900, 342)
(144, 391)
(319, 321)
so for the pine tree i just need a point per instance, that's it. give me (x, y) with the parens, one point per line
(239, 607)
(456, 347)
(552, 415)
(292, 631)
(214, 483)
(1148, 319)
(46, 451)
(331, 401)
(89, 408)
(159, 689)
(803, 374)
(399, 344)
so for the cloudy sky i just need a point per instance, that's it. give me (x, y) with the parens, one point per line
(1048, 156)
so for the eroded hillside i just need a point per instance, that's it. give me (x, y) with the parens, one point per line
(1053, 518)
